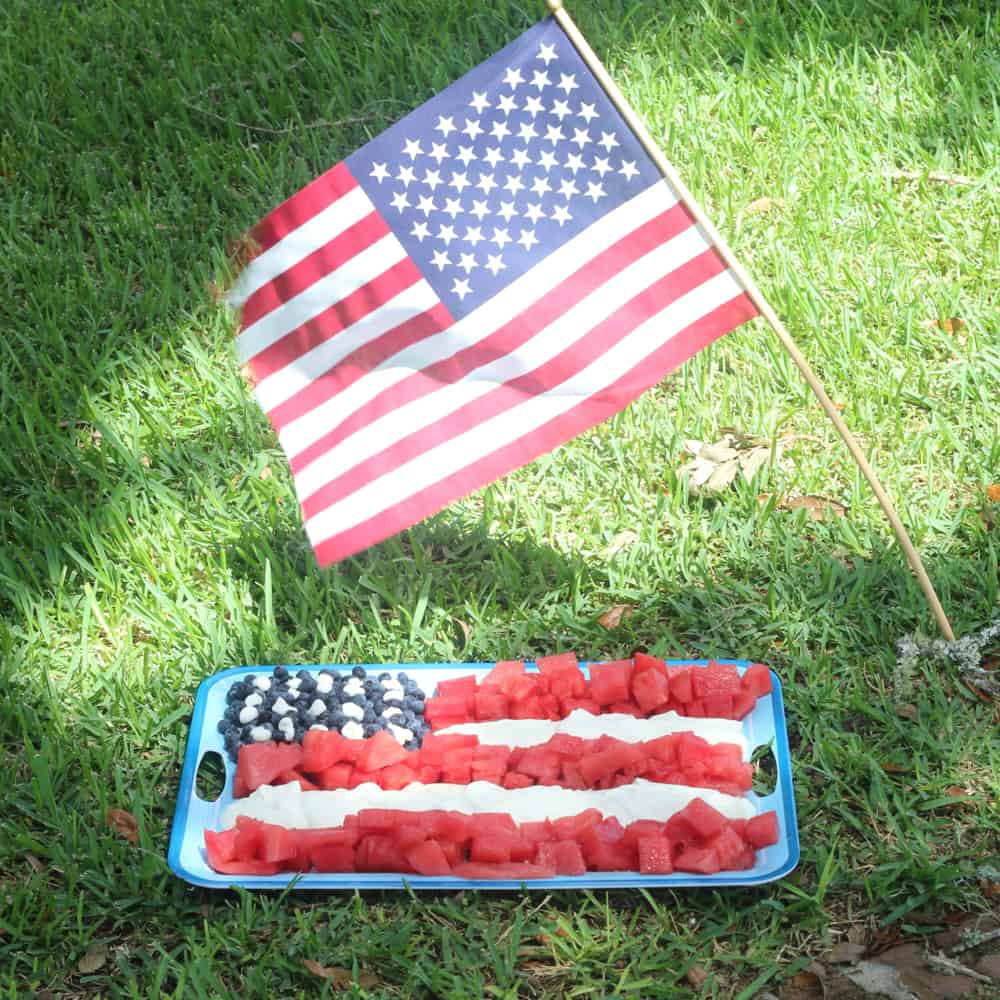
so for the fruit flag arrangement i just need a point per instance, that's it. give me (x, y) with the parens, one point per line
(634, 766)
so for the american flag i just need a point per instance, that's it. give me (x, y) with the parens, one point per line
(499, 271)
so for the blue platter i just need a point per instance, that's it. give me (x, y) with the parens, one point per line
(764, 726)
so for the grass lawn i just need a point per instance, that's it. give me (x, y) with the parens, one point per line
(149, 535)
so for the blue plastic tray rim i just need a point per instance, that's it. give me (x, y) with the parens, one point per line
(186, 826)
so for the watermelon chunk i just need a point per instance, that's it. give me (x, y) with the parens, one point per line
(756, 680)
(762, 831)
(396, 776)
(697, 820)
(609, 682)
(503, 673)
(716, 679)
(332, 858)
(729, 848)
(643, 662)
(260, 763)
(220, 847)
(247, 867)
(700, 860)
(427, 858)
(457, 687)
(655, 856)
(681, 688)
(563, 855)
(490, 704)
(381, 750)
(650, 690)
(321, 750)
(338, 776)
(493, 847)
(518, 870)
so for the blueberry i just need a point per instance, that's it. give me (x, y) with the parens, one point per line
(418, 694)
(281, 673)
(411, 745)
(410, 687)
(369, 716)
(370, 730)
(308, 685)
(232, 714)
(223, 726)
(378, 706)
(407, 719)
(385, 676)
(403, 679)
(338, 719)
(370, 685)
(238, 692)
(359, 699)
(359, 672)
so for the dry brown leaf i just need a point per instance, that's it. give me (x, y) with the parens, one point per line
(466, 629)
(94, 959)
(696, 976)
(805, 985)
(266, 472)
(764, 205)
(246, 373)
(613, 616)
(937, 176)
(33, 863)
(124, 824)
(906, 711)
(621, 541)
(715, 466)
(816, 506)
(298, 37)
(242, 250)
(844, 952)
(891, 768)
(993, 493)
(340, 976)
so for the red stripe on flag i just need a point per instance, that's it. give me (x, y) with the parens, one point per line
(588, 413)
(507, 339)
(301, 207)
(309, 270)
(576, 357)
(338, 317)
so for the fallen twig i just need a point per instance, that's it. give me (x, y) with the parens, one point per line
(952, 968)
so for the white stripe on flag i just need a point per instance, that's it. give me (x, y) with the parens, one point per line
(408, 303)
(558, 336)
(320, 296)
(300, 243)
(299, 434)
(463, 450)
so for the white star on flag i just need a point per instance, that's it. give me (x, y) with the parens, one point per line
(500, 237)
(547, 160)
(461, 288)
(512, 78)
(420, 230)
(473, 235)
(527, 132)
(493, 157)
(445, 125)
(595, 191)
(560, 109)
(494, 264)
(432, 178)
(541, 80)
(560, 214)
(441, 260)
(608, 141)
(520, 158)
(507, 211)
(479, 102)
(534, 213)
(500, 130)
(568, 188)
(439, 152)
(601, 165)
(472, 128)
(533, 106)
(513, 184)
(628, 168)
(452, 207)
(528, 238)
(379, 172)
(400, 201)
(567, 83)
(406, 175)
(554, 134)
(459, 181)
(506, 104)
(468, 261)
(587, 112)
(540, 186)
(479, 209)
(447, 233)
(546, 53)
(486, 183)
(574, 162)
(466, 155)
(581, 137)
(412, 149)
(426, 205)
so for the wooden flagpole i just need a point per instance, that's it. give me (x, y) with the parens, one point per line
(756, 296)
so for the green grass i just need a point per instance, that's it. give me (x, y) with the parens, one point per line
(144, 547)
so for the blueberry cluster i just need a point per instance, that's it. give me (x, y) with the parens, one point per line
(284, 707)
